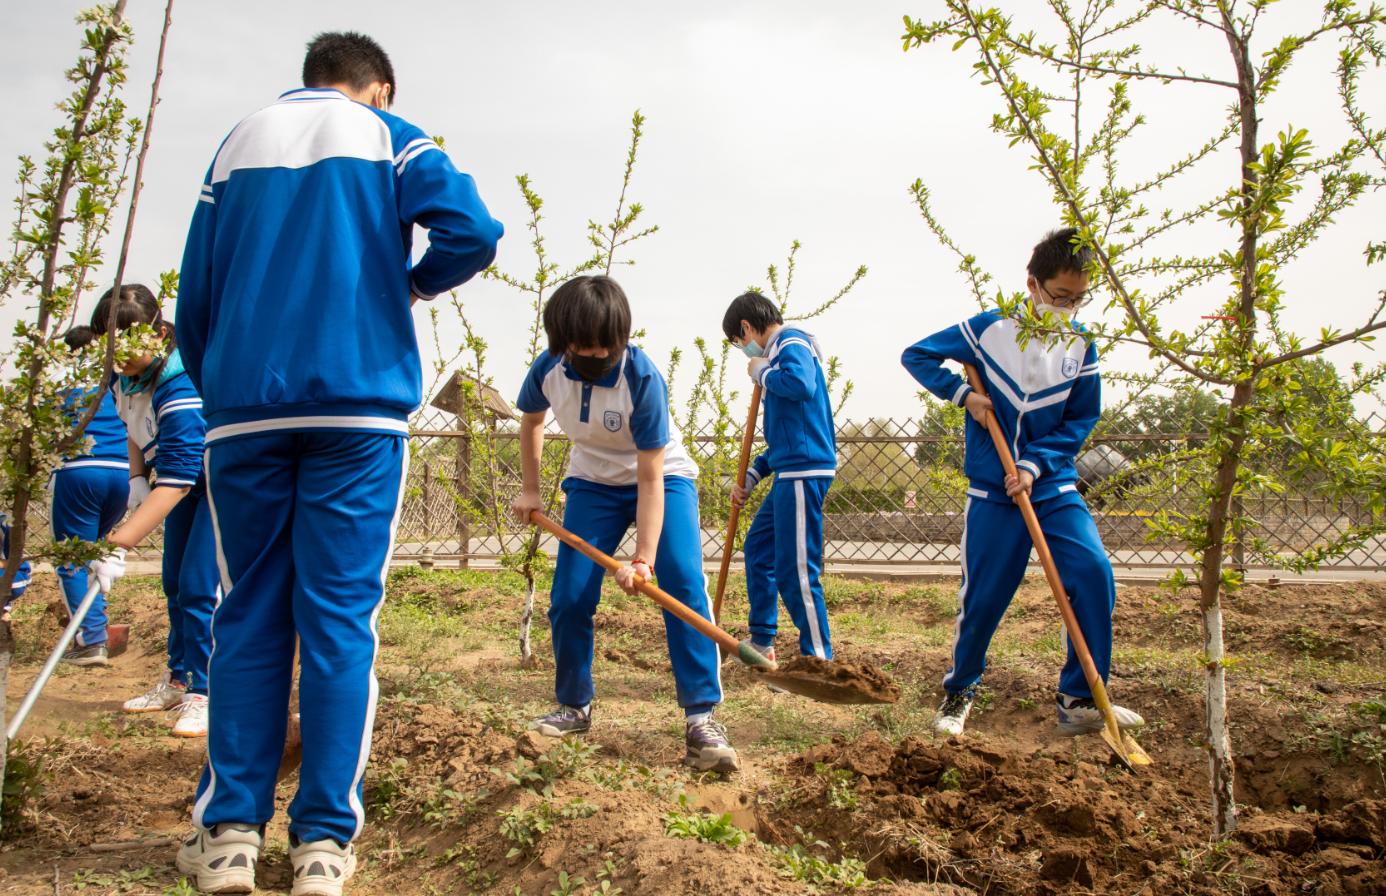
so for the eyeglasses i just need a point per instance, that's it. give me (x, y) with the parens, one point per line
(1074, 302)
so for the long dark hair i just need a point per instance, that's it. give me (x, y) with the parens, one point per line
(135, 305)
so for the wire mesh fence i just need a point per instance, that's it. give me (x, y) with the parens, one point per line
(898, 499)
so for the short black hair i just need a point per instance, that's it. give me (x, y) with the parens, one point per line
(79, 337)
(587, 312)
(1059, 252)
(347, 57)
(755, 309)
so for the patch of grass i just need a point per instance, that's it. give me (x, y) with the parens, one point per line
(951, 779)
(871, 625)
(567, 884)
(841, 784)
(24, 782)
(525, 827)
(798, 862)
(716, 829)
(446, 807)
(786, 728)
(1309, 641)
(563, 760)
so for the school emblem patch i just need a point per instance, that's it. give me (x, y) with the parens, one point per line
(1070, 368)
(612, 421)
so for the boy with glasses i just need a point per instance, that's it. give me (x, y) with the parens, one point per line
(1046, 395)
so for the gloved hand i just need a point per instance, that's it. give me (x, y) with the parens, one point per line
(139, 490)
(109, 569)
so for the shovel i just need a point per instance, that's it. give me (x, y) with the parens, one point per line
(1123, 745)
(729, 542)
(820, 687)
(17, 720)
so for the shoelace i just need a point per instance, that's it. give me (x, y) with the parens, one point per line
(710, 730)
(956, 703)
(182, 708)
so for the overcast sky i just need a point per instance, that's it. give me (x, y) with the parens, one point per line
(767, 122)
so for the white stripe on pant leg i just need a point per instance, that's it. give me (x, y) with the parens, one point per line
(801, 556)
(373, 690)
(223, 590)
(962, 594)
(707, 612)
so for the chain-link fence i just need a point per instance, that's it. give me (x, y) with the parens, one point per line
(898, 499)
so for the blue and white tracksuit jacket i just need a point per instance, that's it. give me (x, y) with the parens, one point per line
(1047, 398)
(608, 423)
(784, 545)
(88, 495)
(294, 316)
(165, 420)
(21, 576)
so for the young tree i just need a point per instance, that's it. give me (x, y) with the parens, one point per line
(1281, 194)
(713, 417)
(63, 213)
(485, 498)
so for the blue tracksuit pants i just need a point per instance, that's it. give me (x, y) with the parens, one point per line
(784, 558)
(600, 515)
(305, 525)
(192, 588)
(88, 502)
(995, 550)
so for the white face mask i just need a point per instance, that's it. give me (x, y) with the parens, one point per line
(1042, 307)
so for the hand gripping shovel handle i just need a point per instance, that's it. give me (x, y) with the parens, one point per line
(1127, 750)
(748, 436)
(654, 593)
(75, 623)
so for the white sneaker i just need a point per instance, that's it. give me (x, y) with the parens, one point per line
(221, 859)
(1080, 715)
(164, 695)
(321, 867)
(192, 716)
(952, 714)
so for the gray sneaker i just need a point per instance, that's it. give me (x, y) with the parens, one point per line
(563, 721)
(708, 748)
(93, 655)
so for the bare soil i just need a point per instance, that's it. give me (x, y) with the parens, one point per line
(1010, 807)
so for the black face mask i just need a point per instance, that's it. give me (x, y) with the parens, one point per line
(593, 369)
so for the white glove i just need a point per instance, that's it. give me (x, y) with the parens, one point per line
(139, 490)
(109, 569)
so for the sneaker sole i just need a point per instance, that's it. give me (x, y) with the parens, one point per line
(233, 880)
(91, 661)
(721, 763)
(550, 731)
(321, 886)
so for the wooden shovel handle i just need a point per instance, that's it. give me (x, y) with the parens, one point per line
(1051, 572)
(653, 592)
(748, 437)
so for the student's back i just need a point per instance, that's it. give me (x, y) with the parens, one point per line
(296, 274)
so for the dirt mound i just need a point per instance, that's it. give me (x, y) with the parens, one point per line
(966, 813)
(835, 681)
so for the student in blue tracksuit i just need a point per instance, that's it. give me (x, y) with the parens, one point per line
(21, 577)
(784, 546)
(163, 419)
(90, 493)
(294, 314)
(627, 466)
(1046, 394)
